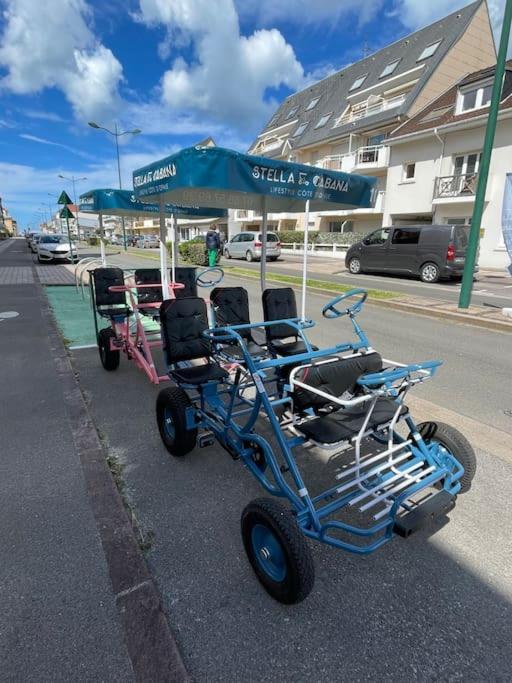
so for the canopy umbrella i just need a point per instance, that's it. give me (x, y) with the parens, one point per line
(124, 203)
(223, 178)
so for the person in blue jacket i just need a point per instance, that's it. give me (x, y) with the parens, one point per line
(213, 245)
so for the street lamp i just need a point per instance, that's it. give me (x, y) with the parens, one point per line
(117, 134)
(74, 180)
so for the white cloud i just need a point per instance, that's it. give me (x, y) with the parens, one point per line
(230, 75)
(302, 12)
(44, 141)
(50, 43)
(414, 14)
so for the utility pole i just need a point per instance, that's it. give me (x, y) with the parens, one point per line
(74, 180)
(483, 177)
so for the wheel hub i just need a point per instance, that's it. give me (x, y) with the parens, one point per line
(265, 553)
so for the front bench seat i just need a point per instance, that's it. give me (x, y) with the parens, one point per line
(183, 323)
(280, 304)
(231, 307)
(339, 378)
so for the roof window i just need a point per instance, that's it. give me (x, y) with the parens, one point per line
(390, 68)
(429, 51)
(313, 103)
(321, 123)
(292, 113)
(358, 82)
(301, 129)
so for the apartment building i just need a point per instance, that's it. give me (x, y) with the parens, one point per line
(344, 121)
(435, 159)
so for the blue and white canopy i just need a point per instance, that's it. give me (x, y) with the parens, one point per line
(222, 178)
(124, 203)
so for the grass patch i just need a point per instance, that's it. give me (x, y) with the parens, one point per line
(322, 285)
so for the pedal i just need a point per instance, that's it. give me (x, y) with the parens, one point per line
(438, 504)
(206, 440)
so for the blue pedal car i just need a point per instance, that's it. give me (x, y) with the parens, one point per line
(264, 398)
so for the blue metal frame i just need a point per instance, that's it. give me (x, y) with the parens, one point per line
(216, 405)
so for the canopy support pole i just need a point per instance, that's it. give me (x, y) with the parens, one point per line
(163, 255)
(174, 247)
(102, 242)
(263, 265)
(305, 261)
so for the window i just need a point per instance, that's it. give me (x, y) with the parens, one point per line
(429, 51)
(341, 226)
(358, 82)
(313, 103)
(409, 172)
(406, 236)
(467, 164)
(301, 129)
(474, 99)
(378, 237)
(390, 69)
(321, 123)
(292, 113)
(436, 113)
(375, 140)
(271, 237)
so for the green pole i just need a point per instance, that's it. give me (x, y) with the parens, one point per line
(483, 177)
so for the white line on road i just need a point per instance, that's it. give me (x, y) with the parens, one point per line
(78, 347)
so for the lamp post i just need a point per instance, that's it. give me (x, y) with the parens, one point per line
(116, 133)
(74, 180)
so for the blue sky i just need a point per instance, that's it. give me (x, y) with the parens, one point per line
(179, 70)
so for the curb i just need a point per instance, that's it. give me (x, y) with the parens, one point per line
(151, 646)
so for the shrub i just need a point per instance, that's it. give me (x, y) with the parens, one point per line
(194, 251)
(93, 241)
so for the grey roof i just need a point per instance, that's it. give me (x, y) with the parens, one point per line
(334, 90)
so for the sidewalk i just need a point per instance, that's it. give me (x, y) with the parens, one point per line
(70, 582)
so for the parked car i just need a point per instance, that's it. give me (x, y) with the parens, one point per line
(148, 242)
(116, 241)
(55, 248)
(430, 251)
(248, 245)
(32, 243)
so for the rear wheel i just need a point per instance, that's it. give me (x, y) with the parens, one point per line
(354, 266)
(171, 416)
(249, 256)
(430, 273)
(227, 254)
(277, 550)
(109, 358)
(456, 444)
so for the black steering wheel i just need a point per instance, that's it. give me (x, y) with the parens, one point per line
(330, 311)
(210, 277)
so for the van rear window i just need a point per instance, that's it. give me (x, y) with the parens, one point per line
(461, 236)
(271, 237)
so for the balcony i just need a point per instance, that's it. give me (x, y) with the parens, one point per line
(369, 109)
(366, 159)
(456, 187)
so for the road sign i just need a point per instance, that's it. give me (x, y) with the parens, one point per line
(66, 212)
(64, 199)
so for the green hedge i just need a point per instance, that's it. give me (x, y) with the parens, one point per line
(93, 241)
(194, 251)
(289, 236)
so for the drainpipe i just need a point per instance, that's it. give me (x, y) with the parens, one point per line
(443, 145)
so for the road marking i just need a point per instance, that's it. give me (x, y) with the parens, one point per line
(6, 315)
(78, 347)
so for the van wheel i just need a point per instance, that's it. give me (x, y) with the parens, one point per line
(227, 254)
(354, 266)
(249, 256)
(429, 273)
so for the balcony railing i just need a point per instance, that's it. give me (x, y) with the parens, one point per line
(450, 186)
(370, 109)
(376, 156)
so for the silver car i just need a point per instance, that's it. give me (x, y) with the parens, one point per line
(55, 248)
(148, 242)
(248, 245)
(33, 241)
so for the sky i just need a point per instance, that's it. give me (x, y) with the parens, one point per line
(178, 70)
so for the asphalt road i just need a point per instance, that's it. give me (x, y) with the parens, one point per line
(435, 607)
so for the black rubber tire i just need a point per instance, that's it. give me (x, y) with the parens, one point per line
(175, 401)
(431, 278)
(227, 254)
(109, 359)
(352, 260)
(249, 256)
(273, 258)
(300, 570)
(457, 444)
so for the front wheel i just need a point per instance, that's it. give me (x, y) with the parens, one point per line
(277, 550)
(227, 254)
(430, 273)
(109, 358)
(171, 416)
(354, 266)
(249, 257)
(456, 444)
